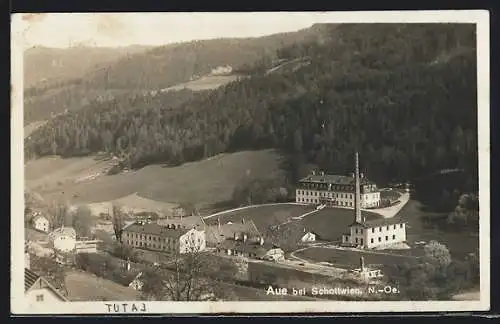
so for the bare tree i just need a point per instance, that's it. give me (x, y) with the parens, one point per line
(118, 221)
(190, 276)
(82, 221)
(59, 215)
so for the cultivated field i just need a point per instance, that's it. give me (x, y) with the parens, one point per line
(82, 286)
(204, 182)
(204, 83)
(348, 259)
(53, 174)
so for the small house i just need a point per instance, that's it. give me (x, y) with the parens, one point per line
(137, 283)
(254, 248)
(41, 223)
(308, 237)
(37, 289)
(63, 239)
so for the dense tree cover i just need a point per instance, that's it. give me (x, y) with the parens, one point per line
(403, 96)
(436, 276)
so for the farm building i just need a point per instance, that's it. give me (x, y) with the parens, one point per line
(308, 237)
(372, 233)
(37, 289)
(336, 190)
(152, 236)
(217, 234)
(41, 223)
(256, 248)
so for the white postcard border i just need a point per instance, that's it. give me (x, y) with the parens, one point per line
(19, 305)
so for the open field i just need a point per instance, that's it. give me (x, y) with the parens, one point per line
(330, 223)
(348, 259)
(459, 243)
(204, 182)
(209, 82)
(54, 174)
(82, 286)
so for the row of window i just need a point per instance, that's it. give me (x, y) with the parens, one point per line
(360, 240)
(338, 203)
(322, 186)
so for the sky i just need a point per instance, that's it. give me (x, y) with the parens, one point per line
(122, 29)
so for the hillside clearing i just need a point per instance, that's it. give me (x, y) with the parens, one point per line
(204, 183)
(204, 83)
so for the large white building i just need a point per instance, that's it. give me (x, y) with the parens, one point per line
(373, 233)
(336, 190)
(170, 238)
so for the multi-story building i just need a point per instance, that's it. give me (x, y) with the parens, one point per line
(169, 238)
(336, 190)
(372, 233)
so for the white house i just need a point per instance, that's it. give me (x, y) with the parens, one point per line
(41, 223)
(373, 233)
(152, 236)
(37, 289)
(308, 237)
(337, 190)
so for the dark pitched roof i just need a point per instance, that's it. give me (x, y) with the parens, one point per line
(29, 279)
(215, 234)
(247, 247)
(380, 222)
(334, 179)
(155, 229)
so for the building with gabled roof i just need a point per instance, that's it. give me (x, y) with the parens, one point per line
(169, 238)
(336, 190)
(41, 223)
(373, 233)
(37, 289)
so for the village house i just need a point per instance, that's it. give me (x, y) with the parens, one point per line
(216, 234)
(41, 223)
(137, 283)
(253, 248)
(337, 190)
(37, 289)
(169, 238)
(373, 233)
(308, 237)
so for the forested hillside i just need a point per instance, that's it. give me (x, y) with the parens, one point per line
(404, 96)
(45, 66)
(144, 71)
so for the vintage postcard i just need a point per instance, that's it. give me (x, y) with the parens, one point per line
(272, 162)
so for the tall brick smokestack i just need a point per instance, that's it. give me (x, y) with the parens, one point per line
(357, 204)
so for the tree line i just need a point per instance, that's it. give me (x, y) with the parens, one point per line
(401, 89)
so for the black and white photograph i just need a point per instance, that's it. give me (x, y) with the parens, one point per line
(253, 162)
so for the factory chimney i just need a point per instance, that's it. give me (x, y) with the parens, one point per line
(357, 205)
(362, 263)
